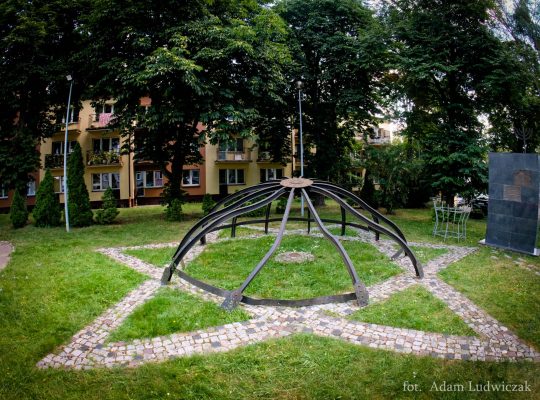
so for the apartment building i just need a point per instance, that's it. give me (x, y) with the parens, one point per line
(227, 168)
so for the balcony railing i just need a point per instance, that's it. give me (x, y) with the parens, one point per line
(73, 126)
(100, 121)
(379, 140)
(264, 156)
(233, 156)
(97, 158)
(53, 161)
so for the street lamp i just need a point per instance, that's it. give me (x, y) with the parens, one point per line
(66, 212)
(300, 86)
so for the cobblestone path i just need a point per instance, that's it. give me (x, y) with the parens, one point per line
(89, 348)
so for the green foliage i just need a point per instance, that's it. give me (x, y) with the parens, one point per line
(207, 203)
(281, 205)
(173, 212)
(259, 212)
(39, 43)
(18, 214)
(46, 212)
(108, 213)
(340, 54)
(80, 213)
(443, 52)
(214, 70)
(394, 168)
(368, 192)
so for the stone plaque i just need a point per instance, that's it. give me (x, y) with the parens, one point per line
(512, 193)
(523, 178)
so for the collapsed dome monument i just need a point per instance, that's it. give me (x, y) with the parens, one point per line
(226, 213)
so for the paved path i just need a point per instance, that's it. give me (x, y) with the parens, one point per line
(5, 250)
(89, 349)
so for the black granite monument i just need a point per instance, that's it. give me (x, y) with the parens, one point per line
(514, 190)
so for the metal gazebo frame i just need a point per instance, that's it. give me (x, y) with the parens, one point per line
(262, 195)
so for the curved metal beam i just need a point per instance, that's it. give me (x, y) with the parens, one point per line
(417, 266)
(234, 297)
(362, 295)
(363, 204)
(243, 192)
(180, 253)
(202, 222)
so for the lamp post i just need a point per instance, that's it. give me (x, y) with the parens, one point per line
(300, 86)
(66, 211)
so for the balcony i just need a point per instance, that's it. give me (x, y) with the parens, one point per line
(54, 161)
(379, 140)
(100, 122)
(103, 158)
(73, 126)
(264, 157)
(233, 156)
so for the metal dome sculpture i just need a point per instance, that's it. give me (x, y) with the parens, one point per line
(262, 195)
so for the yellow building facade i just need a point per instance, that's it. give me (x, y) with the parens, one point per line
(226, 168)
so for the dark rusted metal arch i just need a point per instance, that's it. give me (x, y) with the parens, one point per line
(263, 195)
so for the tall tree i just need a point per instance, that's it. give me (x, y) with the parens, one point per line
(443, 52)
(46, 212)
(38, 40)
(514, 87)
(340, 52)
(213, 70)
(80, 212)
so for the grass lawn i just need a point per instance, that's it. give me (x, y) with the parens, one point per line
(173, 311)
(56, 284)
(228, 263)
(414, 308)
(505, 285)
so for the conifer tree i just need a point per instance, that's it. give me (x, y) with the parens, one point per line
(18, 214)
(46, 213)
(80, 213)
(108, 213)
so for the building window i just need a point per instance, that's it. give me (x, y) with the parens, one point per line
(58, 147)
(268, 174)
(3, 191)
(153, 179)
(231, 176)
(73, 116)
(106, 144)
(101, 182)
(31, 188)
(191, 177)
(59, 184)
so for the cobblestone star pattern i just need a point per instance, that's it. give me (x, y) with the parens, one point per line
(89, 349)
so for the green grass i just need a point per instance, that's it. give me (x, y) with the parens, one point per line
(227, 264)
(160, 257)
(414, 308)
(425, 254)
(495, 281)
(172, 311)
(56, 284)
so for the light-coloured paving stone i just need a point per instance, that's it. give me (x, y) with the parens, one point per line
(88, 348)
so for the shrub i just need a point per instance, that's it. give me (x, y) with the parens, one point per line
(281, 205)
(368, 193)
(173, 212)
(207, 204)
(80, 213)
(47, 213)
(18, 214)
(259, 212)
(108, 213)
